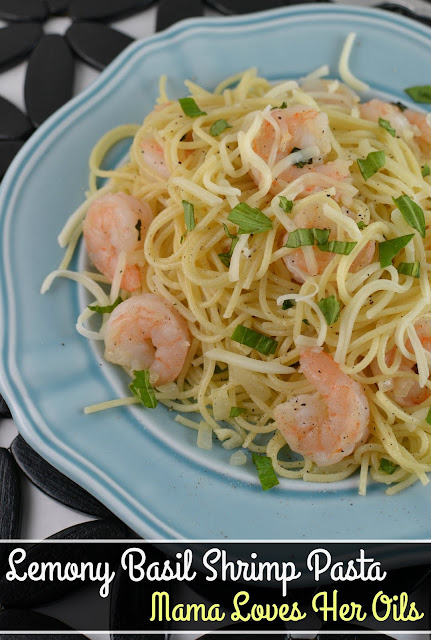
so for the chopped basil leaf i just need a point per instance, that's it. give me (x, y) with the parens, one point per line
(236, 411)
(385, 124)
(227, 232)
(400, 105)
(305, 321)
(330, 307)
(306, 237)
(285, 204)
(412, 213)
(387, 466)
(389, 249)
(410, 269)
(337, 246)
(138, 226)
(182, 237)
(108, 309)
(265, 471)
(254, 339)
(288, 304)
(249, 220)
(428, 418)
(282, 106)
(420, 93)
(426, 171)
(374, 161)
(190, 108)
(361, 225)
(142, 389)
(219, 126)
(302, 163)
(189, 215)
(225, 257)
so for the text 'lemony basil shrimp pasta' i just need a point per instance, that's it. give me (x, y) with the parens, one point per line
(260, 266)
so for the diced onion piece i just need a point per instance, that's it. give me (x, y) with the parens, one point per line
(230, 438)
(238, 458)
(205, 436)
(221, 403)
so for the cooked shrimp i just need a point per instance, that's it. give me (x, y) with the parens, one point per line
(298, 126)
(421, 122)
(116, 222)
(407, 392)
(312, 216)
(330, 424)
(375, 109)
(154, 156)
(146, 332)
(410, 122)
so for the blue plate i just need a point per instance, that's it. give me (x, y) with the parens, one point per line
(140, 463)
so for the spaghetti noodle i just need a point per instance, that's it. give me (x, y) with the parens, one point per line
(279, 215)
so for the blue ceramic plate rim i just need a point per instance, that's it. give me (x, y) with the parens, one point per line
(32, 424)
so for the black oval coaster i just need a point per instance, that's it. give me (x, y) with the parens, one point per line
(106, 10)
(13, 122)
(247, 6)
(4, 409)
(29, 593)
(97, 44)
(17, 41)
(57, 6)
(54, 483)
(10, 504)
(23, 10)
(49, 78)
(10, 496)
(19, 620)
(8, 151)
(171, 11)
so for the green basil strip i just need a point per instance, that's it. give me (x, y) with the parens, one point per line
(288, 304)
(236, 411)
(387, 466)
(428, 418)
(412, 213)
(225, 257)
(426, 171)
(385, 124)
(390, 248)
(410, 269)
(190, 108)
(265, 471)
(420, 93)
(249, 220)
(307, 237)
(189, 215)
(338, 246)
(142, 389)
(255, 340)
(219, 126)
(330, 307)
(285, 204)
(361, 225)
(108, 309)
(374, 161)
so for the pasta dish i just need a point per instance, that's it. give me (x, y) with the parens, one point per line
(259, 265)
